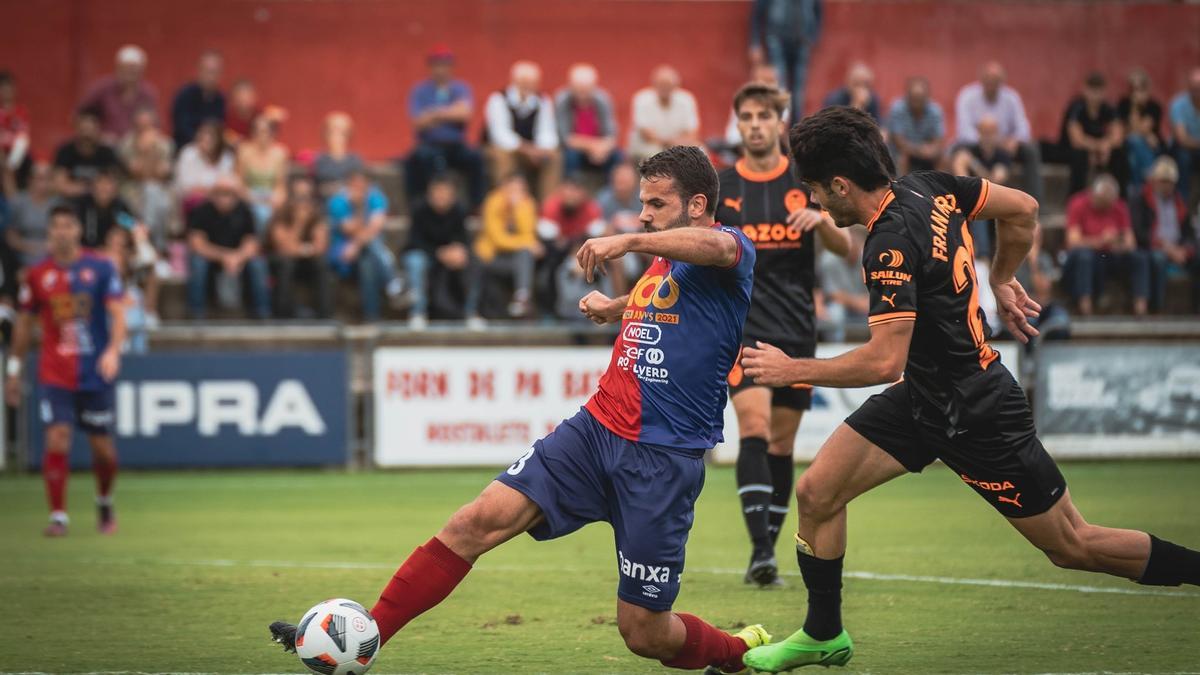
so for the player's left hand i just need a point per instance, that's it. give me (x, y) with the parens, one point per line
(1016, 308)
(768, 365)
(594, 252)
(805, 219)
(109, 364)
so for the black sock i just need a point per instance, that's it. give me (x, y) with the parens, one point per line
(754, 489)
(783, 479)
(1170, 565)
(823, 578)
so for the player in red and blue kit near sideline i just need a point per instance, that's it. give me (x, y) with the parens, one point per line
(79, 298)
(633, 456)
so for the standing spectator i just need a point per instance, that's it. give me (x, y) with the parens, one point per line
(102, 212)
(991, 97)
(1141, 119)
(521, 132)
(568, 216)
(844, 297)
(336, 162)
(29, 216)
(357, 215)
(440, 108)
(858, 92)
(221, 240)
(916, 129)
(199, 101)
(147, 153)
(1185, 126)
(242, 110)
(1100, 242)
(437, 247)
(78, 160)
(201, 164)
(298, 241)
(587, 123)
(784, 31)
(507, 243)
(1092, 135)
(118, 97)
(986, 157)
(262, 164)
(1162, 227)
(664, 115)
(15, 163)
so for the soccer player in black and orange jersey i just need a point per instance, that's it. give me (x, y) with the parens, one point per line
(956, 403)
(762, 196)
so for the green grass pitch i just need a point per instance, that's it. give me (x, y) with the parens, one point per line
(204, 561)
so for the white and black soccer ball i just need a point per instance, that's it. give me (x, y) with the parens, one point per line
(337, 637)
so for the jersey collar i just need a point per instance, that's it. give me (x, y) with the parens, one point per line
(761, 176)
(887, 199)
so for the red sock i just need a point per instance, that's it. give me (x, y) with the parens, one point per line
(706, 646)
(106, 473)
(423, 581)
(54, 473)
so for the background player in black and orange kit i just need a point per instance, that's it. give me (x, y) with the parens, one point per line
(957, 402)
(762, 196)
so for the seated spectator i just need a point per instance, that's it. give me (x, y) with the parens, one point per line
(262, 164)
(102, 211)
(242, 110)
(571, 285)
(663, 115)
(1092, 137)
(1162, 227)
(15, 162)
(763, 73)
(587, 124)
(916, 129)
(29, 216)
(858, 92)
(507, 244)
(991, 97)
(116, 98)
(336, 162)
(357, 214)
(199, 101)
(222, 242)
(1100, 244)
(1037, 274)
(437, 247)
(147, 153)
(1141, 117)
(986, 157)
(621, 206)
(1185, 127)
(844, 298)
(440, 108)
(520, 130)
(298, 242)
(568, 215)
(79, 159)
(201, 164)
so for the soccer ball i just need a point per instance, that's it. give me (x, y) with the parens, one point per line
(337, 637)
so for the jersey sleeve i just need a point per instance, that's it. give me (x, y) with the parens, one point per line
(889, 268)
(113, 288)
(743, 265)
(970, 193)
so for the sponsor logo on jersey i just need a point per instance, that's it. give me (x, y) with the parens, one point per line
(50, 278)
(642, 333)
(889, 299)
(891, 277)
(990, 486)
(653, 291)
(642, 572)
(87, 276)
(773, 235)
(891, 258)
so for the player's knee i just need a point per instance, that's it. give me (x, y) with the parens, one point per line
(754, 425)
(1072, 554)
(641, 638)
(58, 438)
(814, 502)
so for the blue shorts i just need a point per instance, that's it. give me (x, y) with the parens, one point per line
(583, 473)
(90, 411)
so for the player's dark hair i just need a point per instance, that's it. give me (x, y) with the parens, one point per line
(841, 141)
(62, 209)
(770, 97)
(689, 167)
(1095, 80)
(90, 111)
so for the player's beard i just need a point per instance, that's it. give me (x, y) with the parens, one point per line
(681, 221)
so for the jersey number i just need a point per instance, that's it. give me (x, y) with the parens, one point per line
(519, 465)
(964, 278)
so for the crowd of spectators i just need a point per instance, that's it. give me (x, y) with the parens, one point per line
(254, 228)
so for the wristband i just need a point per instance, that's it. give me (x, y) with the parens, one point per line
(13, 367)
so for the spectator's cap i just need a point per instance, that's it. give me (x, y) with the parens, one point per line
(1164, 169)
(1095, 80)
(440, 53)
(131, 55)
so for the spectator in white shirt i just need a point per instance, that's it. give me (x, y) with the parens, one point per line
(521, 131)
(990, 97)
(664, 115)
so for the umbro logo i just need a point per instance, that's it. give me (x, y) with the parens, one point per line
(652, 591)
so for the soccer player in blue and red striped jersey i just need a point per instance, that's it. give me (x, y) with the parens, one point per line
(78, 298)
(633, 456)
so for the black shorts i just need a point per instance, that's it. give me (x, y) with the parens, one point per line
(794, 397)
(1002, 459)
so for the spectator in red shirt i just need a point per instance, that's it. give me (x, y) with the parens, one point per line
(119, 96)
(587, 124)
(1162, 227)
(1101, 244)
(568, 215)
(15, 164)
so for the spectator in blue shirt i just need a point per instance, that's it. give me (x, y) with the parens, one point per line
(440, 108)
(782, 33)
(916, 129)
(357, 214)
(199, 101)
(1185, 125)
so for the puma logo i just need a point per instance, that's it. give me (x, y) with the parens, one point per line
(735, 204)
(889, 299)
(1015, 501)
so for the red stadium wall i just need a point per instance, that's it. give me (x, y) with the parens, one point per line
(311, 56)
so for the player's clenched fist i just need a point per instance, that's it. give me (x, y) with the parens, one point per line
(594, 252)
(600, 308)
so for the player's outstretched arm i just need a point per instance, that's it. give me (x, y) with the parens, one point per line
(1015, 213)
(695, 245)
(880, 361)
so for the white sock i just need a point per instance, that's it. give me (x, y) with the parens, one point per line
(59, 517)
